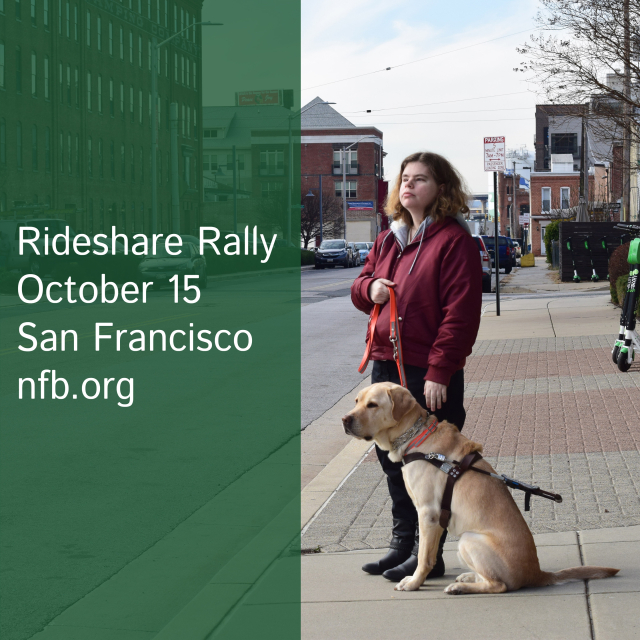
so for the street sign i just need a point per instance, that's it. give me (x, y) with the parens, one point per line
(253, 98)
(494, 154)
(524, 218)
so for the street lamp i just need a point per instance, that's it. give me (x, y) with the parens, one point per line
(155, 46)
(290, 176)
(343, 158)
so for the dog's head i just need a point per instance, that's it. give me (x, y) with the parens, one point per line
(379, 408)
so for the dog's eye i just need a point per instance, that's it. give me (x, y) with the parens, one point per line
(372, 405)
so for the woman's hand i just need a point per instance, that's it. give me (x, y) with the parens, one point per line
(378, 291)
(435, 394)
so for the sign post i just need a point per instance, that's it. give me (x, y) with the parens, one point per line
(495, 160)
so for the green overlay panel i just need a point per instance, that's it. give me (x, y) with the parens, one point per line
(150, 472)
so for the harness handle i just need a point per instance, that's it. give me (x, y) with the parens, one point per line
(394, 336)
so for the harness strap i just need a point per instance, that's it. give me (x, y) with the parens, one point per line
(394, 337)
(422, 436)
(445, 511)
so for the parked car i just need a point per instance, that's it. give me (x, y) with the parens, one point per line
(333, 253)
(162, 266)
(505, 252)
(363, 250)
(355, 255)
(518, 249)
(512, 245)
(369, 245)
(485, 260)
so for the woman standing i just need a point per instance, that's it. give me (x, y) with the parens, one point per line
(432, 263)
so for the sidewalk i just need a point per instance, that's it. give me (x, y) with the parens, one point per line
(549, 406)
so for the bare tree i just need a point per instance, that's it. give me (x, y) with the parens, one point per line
(332, 222)
(580, 42)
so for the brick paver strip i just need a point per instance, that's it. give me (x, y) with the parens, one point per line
(555, 412)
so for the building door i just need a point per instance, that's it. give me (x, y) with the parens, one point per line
(543, 248)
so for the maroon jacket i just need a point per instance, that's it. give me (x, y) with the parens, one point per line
(439, 297)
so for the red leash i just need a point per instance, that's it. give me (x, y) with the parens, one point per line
(394, 337)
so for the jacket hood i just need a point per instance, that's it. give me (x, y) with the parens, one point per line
(401, 230)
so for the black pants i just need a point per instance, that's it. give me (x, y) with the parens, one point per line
(452, 410)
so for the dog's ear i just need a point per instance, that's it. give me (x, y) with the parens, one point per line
(402, 400)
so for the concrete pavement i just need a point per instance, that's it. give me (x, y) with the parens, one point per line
(548, 404)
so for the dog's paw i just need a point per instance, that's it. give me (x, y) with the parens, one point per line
(454, 589)
(407, 584)
(466, 577)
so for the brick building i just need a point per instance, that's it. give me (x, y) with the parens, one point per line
(75, 121)
(324, 133)
(507, 200)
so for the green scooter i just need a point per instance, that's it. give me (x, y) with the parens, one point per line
(576, 277)
(594, 275)
(628, 341)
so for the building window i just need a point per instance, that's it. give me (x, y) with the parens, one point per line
(240, 162)
(133, 164)
(175, 17)
(546, 198)
(34, 22)
(182, 67)
(149, 53)
(112, 107)
(166, 63)
(68, 20)
(18, 69)
(110, 38)
(352, 191)
(76, 25)
(166, 10)
(140, 51)
(100, 158)
(564, 197)
(142, 167)
(564, 143)
(3, 141)
(99, 33)
(131, 108)
(195, 124)
(181, 19)
(88, 35)
(140, 106)
(47, 90)
(60, 17)
(18, 10)
(19, 145)
(69, 152)
(270, 189)
(89, 157)
(175, 67)
(122, 99)
(121, 44)
(195, 74)
(123, 167)
(158, 11)
(46, 14)
(77, 85)
(188, 122)
(271, 163)
(112, 160)
(89, 91)
(69, 84)
(131, 47)
(77, 154)
(60, 83)
(100, 94)
(182, 120)
(2, 81)
(188, 72)
(34, 77)
(34, 147)
(47, 149)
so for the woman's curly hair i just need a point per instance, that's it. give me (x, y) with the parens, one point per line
(449, 203)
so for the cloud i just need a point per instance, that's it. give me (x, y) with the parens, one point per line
(348, 39)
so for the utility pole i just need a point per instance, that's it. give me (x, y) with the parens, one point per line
(626, 143)
(514, 228)
(154, 135)
(175, 194)
(344, 190)
(496, 246)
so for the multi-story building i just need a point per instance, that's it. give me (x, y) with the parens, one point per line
(558, 131)
(325, 132)
(75, 110)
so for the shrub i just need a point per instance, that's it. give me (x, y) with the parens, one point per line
(551, 233)
(308, 257)
(618, 265)
(614, 293)
(621, 286)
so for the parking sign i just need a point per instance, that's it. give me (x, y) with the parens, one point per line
(494, 154)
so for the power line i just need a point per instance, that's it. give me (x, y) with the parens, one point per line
(460, 121)
(433, 113)
(427, 104)
(404, 64)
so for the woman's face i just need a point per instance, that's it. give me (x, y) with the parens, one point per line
(418, 189)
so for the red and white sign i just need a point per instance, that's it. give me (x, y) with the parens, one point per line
(494, 154)
(253, 98)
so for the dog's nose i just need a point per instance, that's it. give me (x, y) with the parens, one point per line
(347, 420)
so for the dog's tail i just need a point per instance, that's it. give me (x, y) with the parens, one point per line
(576, 573)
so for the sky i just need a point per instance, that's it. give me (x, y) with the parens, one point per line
(460, 88)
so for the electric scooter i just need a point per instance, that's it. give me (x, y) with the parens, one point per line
(628, 340)
(576, 277)
(587, 246)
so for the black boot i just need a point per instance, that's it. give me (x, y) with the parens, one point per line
(408, 568)
(399, 548)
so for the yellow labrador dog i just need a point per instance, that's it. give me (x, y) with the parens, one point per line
(495, 541)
